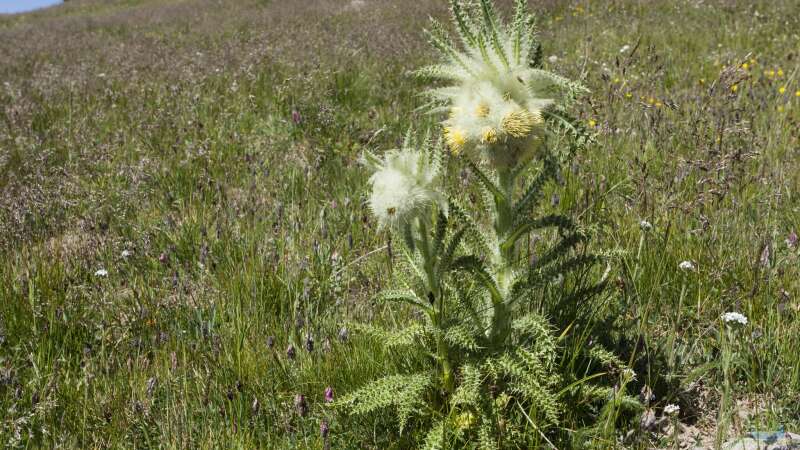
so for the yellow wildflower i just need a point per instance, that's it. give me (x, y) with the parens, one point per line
(781, 89)
(482, 110)
(520, 123)
(734, 88)
(780, 72)
(628, 95)
(797, 93)
(745, 66)
(489, 135)
(455, 139)
(592, 123)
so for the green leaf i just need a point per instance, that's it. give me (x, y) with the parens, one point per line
(475, 266)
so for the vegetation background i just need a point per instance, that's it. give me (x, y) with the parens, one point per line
(204, 155)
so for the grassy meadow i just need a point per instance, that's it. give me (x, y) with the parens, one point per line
(181, 201)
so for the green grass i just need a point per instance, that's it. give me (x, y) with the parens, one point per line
(166, 155)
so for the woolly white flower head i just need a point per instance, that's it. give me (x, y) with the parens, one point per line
(734, 317)
(687, 266)
(403, 185)
(497, 97)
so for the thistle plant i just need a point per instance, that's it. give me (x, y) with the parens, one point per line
(495, 373)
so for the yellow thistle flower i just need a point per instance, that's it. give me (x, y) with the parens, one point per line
(520, 123)
(489, 135)
(455, 139)
(482, 110)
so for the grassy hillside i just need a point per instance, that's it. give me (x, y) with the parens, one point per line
(205, 154)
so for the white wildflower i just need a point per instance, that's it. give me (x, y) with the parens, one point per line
(645, 225)
(552, 59)
(687, 266)
(101, 273)
(403, 186)
(734, 317)
(672, 410)
(625, 48)
(126, 253)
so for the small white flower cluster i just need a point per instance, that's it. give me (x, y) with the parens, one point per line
(403, 186)
(645, 225)
(734, 317)
(102, 273)
(672, 409)
(687, 266)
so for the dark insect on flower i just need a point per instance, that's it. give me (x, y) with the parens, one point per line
(324, 429)
(290, 352)
(328, 394)
(343, 334)
(309, 343)
(270, 342)
(300, 405)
